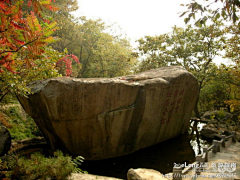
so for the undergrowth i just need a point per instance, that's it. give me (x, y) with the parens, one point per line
(37, 166)
(19, 124)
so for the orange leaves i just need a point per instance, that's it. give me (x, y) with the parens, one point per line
(6, 63)
(20, 42)
(29, 3)
(22, 33)
(15, 25)
(47, 5)
(38, 6)
(3, 5)
(33, 23)
(51, 8)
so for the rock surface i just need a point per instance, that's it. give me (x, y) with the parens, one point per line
(29, 146)
(101, 118)
(5, 140)
(219, 122)
(76, 176)
(144, 174)
(219, 115)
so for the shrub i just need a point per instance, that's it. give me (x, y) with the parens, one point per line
(221, 114)
(20, 125)
(39, 167)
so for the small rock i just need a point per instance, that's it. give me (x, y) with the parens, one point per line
(238, 136)
(81, 176)
(220, 115)
(133, 175)
(144, 174)
(210, 133)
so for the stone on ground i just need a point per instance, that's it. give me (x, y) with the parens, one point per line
(144, 174)
(76, 176)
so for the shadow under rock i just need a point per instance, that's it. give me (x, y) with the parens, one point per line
(160, 157)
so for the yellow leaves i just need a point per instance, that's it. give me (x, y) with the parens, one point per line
(40, 43)
(33, 23)
(49, 39)
(42, 2)
(50, 29)
(30, 22)
(234, 104)
(28, 63)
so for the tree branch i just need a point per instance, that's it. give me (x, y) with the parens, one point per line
(3, 31)
(19, 47)
(4, 95)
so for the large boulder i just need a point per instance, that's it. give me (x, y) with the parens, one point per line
(101, 118)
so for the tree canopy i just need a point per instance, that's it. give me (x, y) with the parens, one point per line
(213, 9)
(100, 52)
(40, 39)
(24, 55)
(196, 48)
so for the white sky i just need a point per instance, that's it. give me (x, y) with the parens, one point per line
(137, 18)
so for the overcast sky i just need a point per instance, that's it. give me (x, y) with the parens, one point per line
(137, 18)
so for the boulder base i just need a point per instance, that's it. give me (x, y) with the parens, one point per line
(100, 118)
(5, 140)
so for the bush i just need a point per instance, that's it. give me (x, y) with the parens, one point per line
(40, 167)
(21, 126)
(221, 114)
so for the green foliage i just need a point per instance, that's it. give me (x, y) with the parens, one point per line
(101, 52)
(39, 167)
(221, 114)
(9, 99)
(21, 125)
(43, 67)
(212, 116)
(212, 9)
(214, 94)
(190, 47)
(23, 43)
(194, 48)
(77, 162)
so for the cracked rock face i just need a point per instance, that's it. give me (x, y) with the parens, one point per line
(109, 117)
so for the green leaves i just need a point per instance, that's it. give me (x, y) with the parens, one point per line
(101, 52)
(23, 45)
(39, 167)
(228, 11)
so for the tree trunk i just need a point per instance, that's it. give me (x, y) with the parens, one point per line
(196, 111)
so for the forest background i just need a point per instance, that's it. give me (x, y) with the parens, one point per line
(42, 39)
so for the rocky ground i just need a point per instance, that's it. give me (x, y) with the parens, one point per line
(220, 122)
